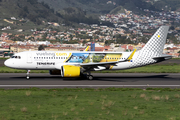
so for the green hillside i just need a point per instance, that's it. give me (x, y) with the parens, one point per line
(28, 14)
(29, 9)
(173, 5)
(107, 6)
(99, 6)
(90, 6)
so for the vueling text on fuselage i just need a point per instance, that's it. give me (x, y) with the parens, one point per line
(61, 54)
(52, 54)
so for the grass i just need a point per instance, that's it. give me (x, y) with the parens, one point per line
(5, 69)
(169, 68)
(2, 58)
(84, 104)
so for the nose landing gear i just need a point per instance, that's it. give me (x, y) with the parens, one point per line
(27, 74)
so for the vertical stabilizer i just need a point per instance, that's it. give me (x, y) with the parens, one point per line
(153, 48)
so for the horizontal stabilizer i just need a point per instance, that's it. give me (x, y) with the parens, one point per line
(163, 57)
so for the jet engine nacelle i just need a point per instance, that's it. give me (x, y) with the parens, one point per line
(55, 72)
(70, 71)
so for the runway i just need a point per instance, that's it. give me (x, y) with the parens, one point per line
(101, 80)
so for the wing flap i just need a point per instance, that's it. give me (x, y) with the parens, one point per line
(98, 64)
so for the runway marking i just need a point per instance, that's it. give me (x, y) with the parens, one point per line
(89, 85)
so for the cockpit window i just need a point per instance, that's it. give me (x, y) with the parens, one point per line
(16, 57)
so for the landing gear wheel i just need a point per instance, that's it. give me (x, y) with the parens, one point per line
(90, 77)
(27, 75)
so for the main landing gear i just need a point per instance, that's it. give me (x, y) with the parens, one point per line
(27, 74)
(89, 76)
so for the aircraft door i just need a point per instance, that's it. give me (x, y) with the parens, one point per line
(29, 57)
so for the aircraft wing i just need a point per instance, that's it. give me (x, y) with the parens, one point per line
(107, 63)
(98, 64)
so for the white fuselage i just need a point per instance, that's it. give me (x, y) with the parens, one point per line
(53, 60)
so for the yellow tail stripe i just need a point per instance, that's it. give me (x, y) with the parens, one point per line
(132, 54)
(87, 48)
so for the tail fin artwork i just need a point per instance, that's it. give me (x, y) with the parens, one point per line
(153, 48)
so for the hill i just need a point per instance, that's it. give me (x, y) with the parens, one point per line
(173, 5)
(90, 6)
(98, 6)
(29, 9)
(29, 14)
(107, 6)
(25, 14)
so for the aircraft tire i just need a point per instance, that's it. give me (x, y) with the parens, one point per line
(90, 77)
(27, 77)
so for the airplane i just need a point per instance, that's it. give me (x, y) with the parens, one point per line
(77, 64)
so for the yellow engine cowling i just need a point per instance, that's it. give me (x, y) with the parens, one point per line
(70, 71)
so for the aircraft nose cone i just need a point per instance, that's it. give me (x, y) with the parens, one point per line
(7, 63)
